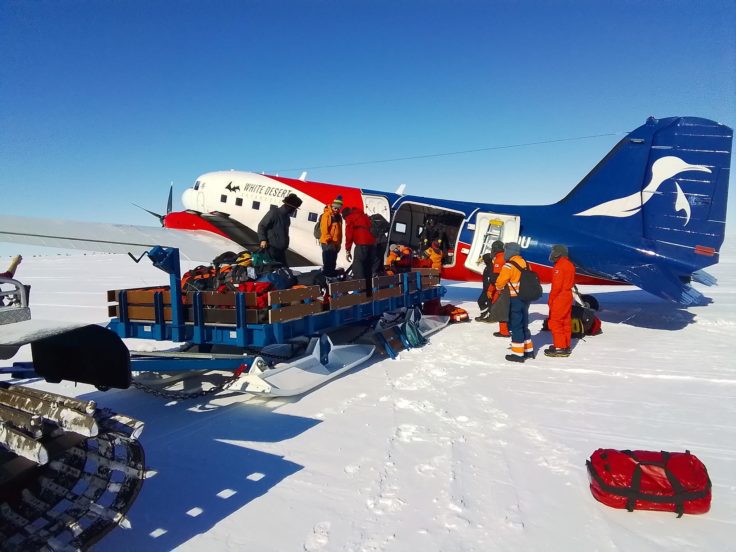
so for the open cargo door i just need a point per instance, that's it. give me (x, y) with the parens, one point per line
(490, 227)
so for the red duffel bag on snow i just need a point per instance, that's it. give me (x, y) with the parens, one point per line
(647, 480)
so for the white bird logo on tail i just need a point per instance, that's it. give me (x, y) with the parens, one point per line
(662, 169)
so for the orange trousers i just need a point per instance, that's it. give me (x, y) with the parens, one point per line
(560, 320)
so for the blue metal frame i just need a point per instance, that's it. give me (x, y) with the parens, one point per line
(243, 334)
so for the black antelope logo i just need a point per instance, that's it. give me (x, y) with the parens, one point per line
(232, 188)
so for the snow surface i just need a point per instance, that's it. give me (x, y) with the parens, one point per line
(447, 448)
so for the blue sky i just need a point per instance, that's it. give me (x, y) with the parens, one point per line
(105, 103)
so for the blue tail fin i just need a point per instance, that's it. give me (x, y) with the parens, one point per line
(664, 189)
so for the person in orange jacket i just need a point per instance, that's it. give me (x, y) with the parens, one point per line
(394, 255)
(399, 257)
(434, 254)
(510, 275)
(560, 302)
(330, 225)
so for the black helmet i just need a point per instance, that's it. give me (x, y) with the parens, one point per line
(496, 247)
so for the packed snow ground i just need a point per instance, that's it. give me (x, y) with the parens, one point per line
(448, 448)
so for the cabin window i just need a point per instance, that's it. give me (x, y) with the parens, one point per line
(239, 201)
(400, 228)
(312, 217)
(256, 205)
(223, 198)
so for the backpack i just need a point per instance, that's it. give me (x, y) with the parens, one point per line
(584, 322)
(238, 274)
(318, 228)
(201, 278)
(530, 289)
(228, 257)
(379, 226)
(280, 278)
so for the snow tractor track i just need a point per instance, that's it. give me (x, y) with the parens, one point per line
(69, 472)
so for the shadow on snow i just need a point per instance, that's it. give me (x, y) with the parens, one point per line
(204, 471)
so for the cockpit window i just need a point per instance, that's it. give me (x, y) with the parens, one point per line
(196, 185)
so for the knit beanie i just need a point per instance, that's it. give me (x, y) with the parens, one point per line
(337, 202)
(496, 247)
(511, 250)
(558, 251)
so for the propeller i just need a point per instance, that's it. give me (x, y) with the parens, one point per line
(169, 205)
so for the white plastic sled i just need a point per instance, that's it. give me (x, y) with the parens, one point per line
(323, 361)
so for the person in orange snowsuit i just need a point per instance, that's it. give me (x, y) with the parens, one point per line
(399, 257)
(434, 254)
(560, 302)
(522, 347)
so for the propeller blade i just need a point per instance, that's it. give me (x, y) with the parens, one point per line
(159, 217)
(169, 203)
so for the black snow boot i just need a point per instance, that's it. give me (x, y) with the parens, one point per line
(554, 352)
(483, 316)
(515, 358)
(499, 334)
(529, 354)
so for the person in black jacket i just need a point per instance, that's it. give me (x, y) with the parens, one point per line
(489, 278)
(493, 262)
(273, 230)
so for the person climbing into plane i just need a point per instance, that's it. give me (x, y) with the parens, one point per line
(489, 281)
(434, 254)
(331, 235)
(560, 302)
(273, 230)
(358, 232)
(494, 263)
(510, 276)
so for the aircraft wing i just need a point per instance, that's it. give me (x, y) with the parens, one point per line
(662, 283)
(193, 245)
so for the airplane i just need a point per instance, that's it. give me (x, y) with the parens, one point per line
(651, 213)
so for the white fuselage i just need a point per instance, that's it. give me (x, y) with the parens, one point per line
(247, 197)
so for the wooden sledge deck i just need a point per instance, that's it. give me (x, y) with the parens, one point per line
(234, 318)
